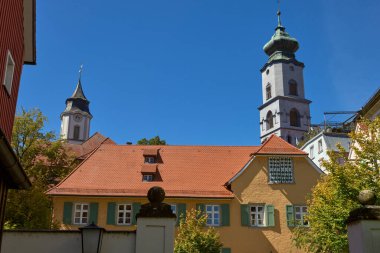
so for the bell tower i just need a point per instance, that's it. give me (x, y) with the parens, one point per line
(75, 119)
(285, 110)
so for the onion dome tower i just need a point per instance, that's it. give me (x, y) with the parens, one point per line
(285, 111)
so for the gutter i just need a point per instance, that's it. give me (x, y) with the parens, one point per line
(9, 163)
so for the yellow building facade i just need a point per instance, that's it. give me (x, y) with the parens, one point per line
(266, 199)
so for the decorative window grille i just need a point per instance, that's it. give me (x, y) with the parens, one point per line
(124, 216)
(280, 170)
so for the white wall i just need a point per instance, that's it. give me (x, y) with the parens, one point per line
(63, 242)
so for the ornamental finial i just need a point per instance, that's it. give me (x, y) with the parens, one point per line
(278, 14)
(80, 72)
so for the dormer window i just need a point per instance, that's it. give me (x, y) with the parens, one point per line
(147, 178)
(150, 159)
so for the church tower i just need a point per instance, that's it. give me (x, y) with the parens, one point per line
(285, 111)
(75, 120)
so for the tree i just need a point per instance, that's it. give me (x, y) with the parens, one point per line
(336, 194)
(194, 238)
(153, 141)
(45, 161)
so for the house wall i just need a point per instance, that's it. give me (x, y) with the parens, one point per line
(250, 187)
(12, 39)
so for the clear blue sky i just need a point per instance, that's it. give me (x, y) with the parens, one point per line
(188, 70)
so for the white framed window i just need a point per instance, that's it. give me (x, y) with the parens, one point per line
(81, 211)
(299, 216)
(320, 146)
(9, 71)
(174, 208)
(150, 159)
(257, 215)
(213, 215)
(124, 214)
(280, 170)
(312, 152)
(147, 178)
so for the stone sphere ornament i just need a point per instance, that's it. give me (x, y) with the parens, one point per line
(367, 197)
(156, 194)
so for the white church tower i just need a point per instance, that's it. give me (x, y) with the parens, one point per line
(285, 111)
(75, 120)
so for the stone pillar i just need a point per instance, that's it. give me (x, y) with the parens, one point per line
(155, 225)
(364, 225)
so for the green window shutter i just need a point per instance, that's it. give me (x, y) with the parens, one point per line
(67, 212)
(111, 212)
(290, 215)
(270, 215)
(181, 212)
(244, 215)
(94, 213)
(135, 210)
(225, 214)
(226, 250)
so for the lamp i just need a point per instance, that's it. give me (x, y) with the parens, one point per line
(92, 236)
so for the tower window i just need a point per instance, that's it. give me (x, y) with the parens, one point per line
(76, 132)
(294, 118)
(291, 68)
(293, 88)
(267, 71)
(269, 120)
(268, 90)
(9, 70)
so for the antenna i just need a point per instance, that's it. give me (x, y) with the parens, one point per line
(80, 71)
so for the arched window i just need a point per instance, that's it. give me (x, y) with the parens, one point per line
(294, 118)
(76, 132)
(269, 120)
(293, 88)
(268, 90)
(289, 139)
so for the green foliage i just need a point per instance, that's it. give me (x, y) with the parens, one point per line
(153, 141)
(336, 194)
(45, 161)
(307, 136)
(193, 237)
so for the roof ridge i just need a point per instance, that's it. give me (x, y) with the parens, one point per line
(75, 169)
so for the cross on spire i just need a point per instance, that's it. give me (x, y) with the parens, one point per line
(80, 72)
(279, 13)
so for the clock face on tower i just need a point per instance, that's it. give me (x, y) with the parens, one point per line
(77, 117)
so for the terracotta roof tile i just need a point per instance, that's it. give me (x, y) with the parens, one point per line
(186, 171)
(149, 168)
(278, 146)
(150, 152)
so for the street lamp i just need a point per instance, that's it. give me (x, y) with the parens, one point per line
(92, 236)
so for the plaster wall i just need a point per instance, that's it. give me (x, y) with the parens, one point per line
(63, 242)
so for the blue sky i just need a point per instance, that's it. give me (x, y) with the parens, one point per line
(188, 70)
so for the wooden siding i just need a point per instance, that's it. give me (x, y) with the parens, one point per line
(12, 39)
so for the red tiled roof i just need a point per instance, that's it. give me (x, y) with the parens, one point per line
(149, 168)
(277, 146)
(150, 152)
(83, 150)
(186, 171)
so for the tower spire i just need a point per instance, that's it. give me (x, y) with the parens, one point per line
(278, 14)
